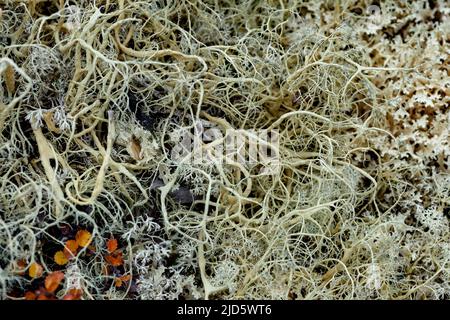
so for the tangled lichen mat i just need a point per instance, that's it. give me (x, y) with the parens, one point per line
(236, 149)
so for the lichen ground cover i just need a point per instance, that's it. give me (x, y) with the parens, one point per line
(237, 149)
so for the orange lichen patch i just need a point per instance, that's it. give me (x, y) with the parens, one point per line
(21, 266)
(35, 270)
(53, 280)
(115, 259)
(73, 294)
(111, 245)
(83, 238)
(60, 258)
(118, 282)
(70, 249)
(30, 295)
